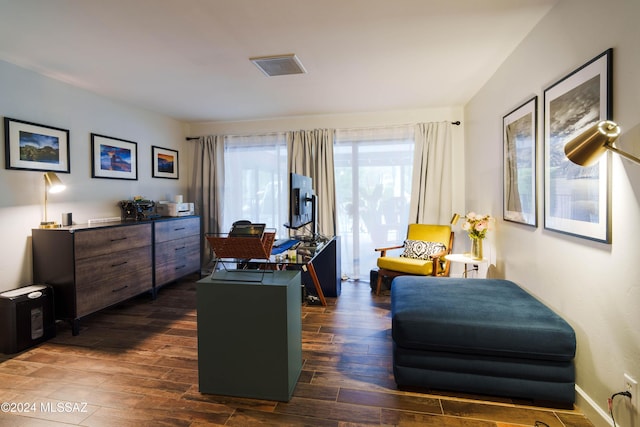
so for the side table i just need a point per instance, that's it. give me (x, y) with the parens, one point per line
(466, 260)
(249, 334)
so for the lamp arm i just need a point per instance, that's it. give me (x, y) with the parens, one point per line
(46, 191)
(624, 154)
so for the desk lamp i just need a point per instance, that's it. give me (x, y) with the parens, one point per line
(586, 148)
(52, 184)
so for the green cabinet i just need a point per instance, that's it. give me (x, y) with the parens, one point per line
(250, 334)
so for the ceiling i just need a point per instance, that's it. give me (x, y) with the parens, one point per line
(189, 59)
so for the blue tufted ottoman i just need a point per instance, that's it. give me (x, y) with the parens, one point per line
(484, 336)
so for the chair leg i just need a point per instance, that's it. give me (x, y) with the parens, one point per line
(379, 283)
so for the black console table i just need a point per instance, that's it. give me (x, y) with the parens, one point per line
(318, 262)
(325, 260)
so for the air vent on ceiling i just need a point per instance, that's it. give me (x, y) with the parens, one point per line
(279, 65)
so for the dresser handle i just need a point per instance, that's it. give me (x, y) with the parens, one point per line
(119, 264)
(120, 289)
(178, 229)
(121, 238)
(180, 248)
(180, 267)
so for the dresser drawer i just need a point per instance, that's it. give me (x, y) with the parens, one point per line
(175, 229)
(112, 268)
(90, 243)
(109, 292)
(176, 258)
(185, 247)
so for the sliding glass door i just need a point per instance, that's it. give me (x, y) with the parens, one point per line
(373, 189)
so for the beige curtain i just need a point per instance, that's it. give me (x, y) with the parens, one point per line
(206, 186)
(431, 189)
(310, 153)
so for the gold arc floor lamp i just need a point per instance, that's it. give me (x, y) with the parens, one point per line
(52, 184)
(586, 148)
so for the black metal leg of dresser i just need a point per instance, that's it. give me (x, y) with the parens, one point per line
(75, 327)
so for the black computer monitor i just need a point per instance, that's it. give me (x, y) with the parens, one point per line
(302, 202)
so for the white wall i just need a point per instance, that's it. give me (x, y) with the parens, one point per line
(594, 286)
(31, 97)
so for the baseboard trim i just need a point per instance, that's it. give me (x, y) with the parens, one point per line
(598, 416)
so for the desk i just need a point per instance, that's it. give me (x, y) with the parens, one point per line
(249, 334)
(319, 265)
(465, 259)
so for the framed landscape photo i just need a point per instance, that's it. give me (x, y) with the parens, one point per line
(576, 198)
(30, 146)
(164, 163)
(113, 158)
(519, 137)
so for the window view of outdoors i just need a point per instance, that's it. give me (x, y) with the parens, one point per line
(256, 181)
(373, 190)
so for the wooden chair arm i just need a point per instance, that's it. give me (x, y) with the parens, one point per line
(435, 259)
(383, 251)
(439, 254)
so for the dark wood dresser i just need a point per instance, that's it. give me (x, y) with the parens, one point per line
(94, 267)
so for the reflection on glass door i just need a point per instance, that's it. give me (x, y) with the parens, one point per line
(373, 190)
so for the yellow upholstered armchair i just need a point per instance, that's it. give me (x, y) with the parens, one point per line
(423, 253)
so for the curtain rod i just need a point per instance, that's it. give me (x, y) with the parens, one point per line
(193, 138)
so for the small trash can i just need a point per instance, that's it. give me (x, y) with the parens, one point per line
(26, 317)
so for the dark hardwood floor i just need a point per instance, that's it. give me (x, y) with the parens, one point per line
(136, 365)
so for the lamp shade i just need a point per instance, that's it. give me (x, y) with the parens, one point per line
(586, 148)
(53, 183)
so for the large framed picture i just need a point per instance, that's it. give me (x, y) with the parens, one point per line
(576, 198)
(30, 146)
(113, 158)
(519, 137)
(164, 163)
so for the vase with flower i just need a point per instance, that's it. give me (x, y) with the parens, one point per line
(476, 227)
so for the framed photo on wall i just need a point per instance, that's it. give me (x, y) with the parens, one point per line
(576, 198)
(113, 158)
(519, 137)
(164, 163)
(30, 146)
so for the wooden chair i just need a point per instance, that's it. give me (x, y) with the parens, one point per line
(432, 264)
